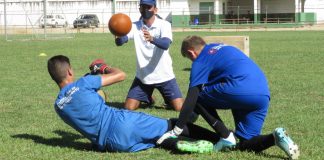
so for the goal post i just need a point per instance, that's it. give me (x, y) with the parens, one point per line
(241, 42)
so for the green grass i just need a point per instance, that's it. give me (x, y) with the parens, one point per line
(30, 129)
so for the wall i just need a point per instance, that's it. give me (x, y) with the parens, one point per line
(28, 12)
(22, 12)
(278, 6)
(315, 6)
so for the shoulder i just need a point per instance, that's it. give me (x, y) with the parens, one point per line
(138, 24)
(162, 22)
(88, 79)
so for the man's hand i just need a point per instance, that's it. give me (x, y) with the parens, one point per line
(121, 40)
(174, 133)
(98, 66)
(147, 35)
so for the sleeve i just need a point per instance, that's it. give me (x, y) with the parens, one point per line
(121, 40)
(166, 30)
(199, 74)
(162, 43)
(92, 81)
(130, 35)
(188, 106)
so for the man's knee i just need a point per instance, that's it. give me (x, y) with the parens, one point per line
(177, 104)
(132, 104)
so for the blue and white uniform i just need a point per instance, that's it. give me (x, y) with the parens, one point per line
(79, 105)
(154, 65)
(231, 80)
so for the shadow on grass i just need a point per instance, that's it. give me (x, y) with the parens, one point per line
(186, 69)
(67, 139)
(271, 156)
(120, 105)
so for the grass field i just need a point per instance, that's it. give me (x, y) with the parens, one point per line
(30, 129)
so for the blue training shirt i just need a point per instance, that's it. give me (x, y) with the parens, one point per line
(228, 70)
(79, 105)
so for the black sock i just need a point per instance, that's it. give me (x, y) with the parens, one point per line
(215, 123)
(200, 133)
(170, 144)
(196, 132)
(256, 144)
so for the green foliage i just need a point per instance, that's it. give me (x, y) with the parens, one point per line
(30, 129)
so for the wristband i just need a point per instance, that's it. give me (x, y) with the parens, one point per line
(177, 130)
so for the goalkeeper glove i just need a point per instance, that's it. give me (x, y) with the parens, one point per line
(98, 66)
(174, 133)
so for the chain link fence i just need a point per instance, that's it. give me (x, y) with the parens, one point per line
(28, 22)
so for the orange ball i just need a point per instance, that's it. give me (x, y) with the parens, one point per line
(120, 24)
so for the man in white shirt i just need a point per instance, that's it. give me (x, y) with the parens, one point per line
(152, 37)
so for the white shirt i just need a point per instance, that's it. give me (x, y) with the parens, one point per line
(154, 65)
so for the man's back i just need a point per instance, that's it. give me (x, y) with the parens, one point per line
(228, 70)
(81, 107)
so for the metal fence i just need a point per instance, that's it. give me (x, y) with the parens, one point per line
(26, 24)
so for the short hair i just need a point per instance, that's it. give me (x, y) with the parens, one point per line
(191, 42)
(57, 67)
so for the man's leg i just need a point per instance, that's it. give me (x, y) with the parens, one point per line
(257, 143)
(193, 139)
(227, 139)
(191, 146)
(138, 93)
(171, 93)
(285, 143)
(279, 137)
(132, 104)
(212, 111)
(213, 121)
(177, 103)
(193, 131)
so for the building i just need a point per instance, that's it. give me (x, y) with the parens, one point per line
(182, 12)
(247, 11)
(29, 12)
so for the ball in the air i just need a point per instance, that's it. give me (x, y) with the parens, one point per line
(120, 24)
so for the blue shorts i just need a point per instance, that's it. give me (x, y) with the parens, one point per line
(143, 92)
(134, 131)
(249, 111)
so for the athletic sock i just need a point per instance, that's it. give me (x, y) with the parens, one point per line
(215, 123)
(196, 132)
(170, 144)
(257, 144)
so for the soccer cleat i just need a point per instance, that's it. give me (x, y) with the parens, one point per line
(225, 144)
(200, 146)
(284, 142)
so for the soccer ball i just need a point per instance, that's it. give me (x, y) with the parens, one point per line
(120, 24)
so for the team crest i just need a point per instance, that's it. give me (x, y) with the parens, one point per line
(214, 49)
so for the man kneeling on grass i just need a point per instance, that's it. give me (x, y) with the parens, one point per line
(111, 129)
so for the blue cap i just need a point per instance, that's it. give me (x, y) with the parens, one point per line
(148, 2)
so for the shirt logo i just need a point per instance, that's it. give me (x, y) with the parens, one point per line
(214, 49)
(66, 99)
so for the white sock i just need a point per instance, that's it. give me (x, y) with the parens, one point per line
(231, 138)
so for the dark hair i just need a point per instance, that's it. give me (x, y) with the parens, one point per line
(191, 42)
(57, 67)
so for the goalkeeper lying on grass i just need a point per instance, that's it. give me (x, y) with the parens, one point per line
(111, 129)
